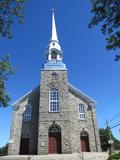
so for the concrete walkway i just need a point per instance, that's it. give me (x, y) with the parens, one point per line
(75, 156)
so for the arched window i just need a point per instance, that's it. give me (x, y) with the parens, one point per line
(84, 133)
(53, 55)
(54, 100)
(27, 113)
(81, 112)
(54, 128)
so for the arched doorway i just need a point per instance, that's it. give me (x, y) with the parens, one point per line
(24, 144)
(84, 141)
(54, 140)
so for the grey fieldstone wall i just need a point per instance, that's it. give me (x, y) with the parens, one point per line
(15, 135)
(61, 118)
(67, 119)
(21, 128)
(78, 125)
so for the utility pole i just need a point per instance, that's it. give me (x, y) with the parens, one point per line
(110, 141)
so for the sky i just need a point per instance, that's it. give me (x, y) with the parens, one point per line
(91, 68)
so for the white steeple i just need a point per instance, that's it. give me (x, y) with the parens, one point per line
(54, 43)
(53, 60)
(54, 31)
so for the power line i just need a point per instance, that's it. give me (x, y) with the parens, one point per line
(115, 126)
(114, 117)
(115, 123)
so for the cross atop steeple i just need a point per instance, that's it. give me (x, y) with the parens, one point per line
(53, 10)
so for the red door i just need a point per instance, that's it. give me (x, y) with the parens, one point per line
(85, 144)
(54, 142)
(24, 146)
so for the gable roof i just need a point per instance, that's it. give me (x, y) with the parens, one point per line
(72, 89)
(31, 92)
(81, 94)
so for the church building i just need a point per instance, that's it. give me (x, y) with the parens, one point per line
(55, 117)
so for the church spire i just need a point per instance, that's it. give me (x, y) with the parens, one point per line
(54, 43)
(54, 51)
(54, 36)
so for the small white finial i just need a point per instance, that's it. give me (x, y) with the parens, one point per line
(53, 10)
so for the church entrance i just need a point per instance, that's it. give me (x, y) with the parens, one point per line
(84, 141)
(24, 146)
(54, 140)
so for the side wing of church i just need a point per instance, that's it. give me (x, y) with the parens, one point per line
(55, 117)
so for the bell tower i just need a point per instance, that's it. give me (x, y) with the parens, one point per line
(53, 59)
(54, 109)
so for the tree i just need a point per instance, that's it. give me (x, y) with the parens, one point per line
(104, 137)
(4, 150)
(6, 69)
(9, 10)
(107, 12)
(116, 143)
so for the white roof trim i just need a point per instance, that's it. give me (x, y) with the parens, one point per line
(25, 96)
(81, 94)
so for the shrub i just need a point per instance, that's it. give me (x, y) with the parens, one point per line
(4, 150)
(114, 156)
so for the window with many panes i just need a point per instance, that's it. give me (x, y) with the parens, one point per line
(27, 113)
(81, 112)
(54, 100)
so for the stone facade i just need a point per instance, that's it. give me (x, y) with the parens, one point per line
(67, 119)
(61, 118)
(20, 128)
(89, 124)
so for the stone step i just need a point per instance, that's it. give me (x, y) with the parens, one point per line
(74, 156)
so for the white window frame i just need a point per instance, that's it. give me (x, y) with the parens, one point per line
(54, 100)
(27, 113)
(81, 112)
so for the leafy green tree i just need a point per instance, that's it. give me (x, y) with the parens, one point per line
(107, 12)
(6, 69)
(9, 10)
(104, 137)
(4, 150)
(116, 143)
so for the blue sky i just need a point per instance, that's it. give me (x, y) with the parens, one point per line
(91, 68)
